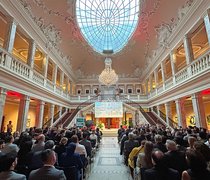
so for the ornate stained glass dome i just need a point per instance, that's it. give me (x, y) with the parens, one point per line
(107, 25)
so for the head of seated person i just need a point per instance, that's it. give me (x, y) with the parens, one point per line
(158, 159)
(48, 157)
(7, 162)
(9, 139)
(171, 145)
(49, 144)
(74, 139)
(70, 148)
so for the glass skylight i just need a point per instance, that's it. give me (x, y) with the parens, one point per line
(107, 24)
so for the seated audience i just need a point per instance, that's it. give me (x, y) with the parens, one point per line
(128, 146)
(133, 156)
(175, 159)
(160, 171)
(80, 149)
(48, 171)
(159, 144)
(39, 144)
(7, 166)
(9, 147)
(197, 166)
(144, 160)
(61, 147)
(85, 142)
(70, 158)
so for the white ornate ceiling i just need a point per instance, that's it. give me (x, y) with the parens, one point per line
(157, 19)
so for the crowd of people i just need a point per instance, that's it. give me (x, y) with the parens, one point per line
(47, 153)
(161, 153)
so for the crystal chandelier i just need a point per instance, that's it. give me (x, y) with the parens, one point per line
(108, 76)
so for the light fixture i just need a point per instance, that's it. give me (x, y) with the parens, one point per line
(108, 76)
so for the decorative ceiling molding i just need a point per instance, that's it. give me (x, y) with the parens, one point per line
(52, 34)
(164, 32)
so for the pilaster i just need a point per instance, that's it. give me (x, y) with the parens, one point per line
(207, 24)
(10, 35)
(173, 65)
(51, 113)
(23, 113)
(181, 115)
(39, 114)
(163, 73)
(3, 95)
(198, 108)
(168, 112)
(188, 49)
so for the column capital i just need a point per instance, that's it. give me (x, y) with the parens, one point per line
(11, 20)
(41, 103)
(25, 98)
(3, 91)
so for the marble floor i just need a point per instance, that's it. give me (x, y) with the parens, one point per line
(108, 163)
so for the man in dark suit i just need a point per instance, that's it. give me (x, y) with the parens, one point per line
(86, 143)
(7, 165)
(48, 171)
(129, 145)
(160, 170)
(175, 159)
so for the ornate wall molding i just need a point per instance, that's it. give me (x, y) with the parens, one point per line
(165, 31)
(52, 34)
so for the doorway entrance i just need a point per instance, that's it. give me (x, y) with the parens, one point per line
(110, 123)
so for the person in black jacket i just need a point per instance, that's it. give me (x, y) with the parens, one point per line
(160, 171)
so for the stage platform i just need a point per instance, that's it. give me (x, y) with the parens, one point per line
(110, 132)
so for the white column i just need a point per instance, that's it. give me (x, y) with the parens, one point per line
(55, 71)
(146, 86)
(10, 35)
(67, 84)
(23, 113)
(60, 111)
(207, 24)
(156, 79)
(40, 114)
(46, 69)
(31, 55)
(163, 73)
(71, 87)
(188, 49)
(168, 112)
(158, 110)
(173, 65)
(198, 108)
(150, 82)
(181, 113)
(51, 113)
(61, 79)
(10, 39)
(3, 95)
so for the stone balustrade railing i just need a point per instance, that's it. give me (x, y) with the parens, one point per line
(201, 64)
(169, 83)
(21, 69)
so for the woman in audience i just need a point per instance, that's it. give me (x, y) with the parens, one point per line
(204, 150)
(191, 141)
(198, 167)
(133, 156)
(144, 160)
(61, 148)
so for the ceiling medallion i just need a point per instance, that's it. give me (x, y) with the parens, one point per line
(108, 76)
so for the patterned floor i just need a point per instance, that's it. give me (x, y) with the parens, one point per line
(108, 163)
